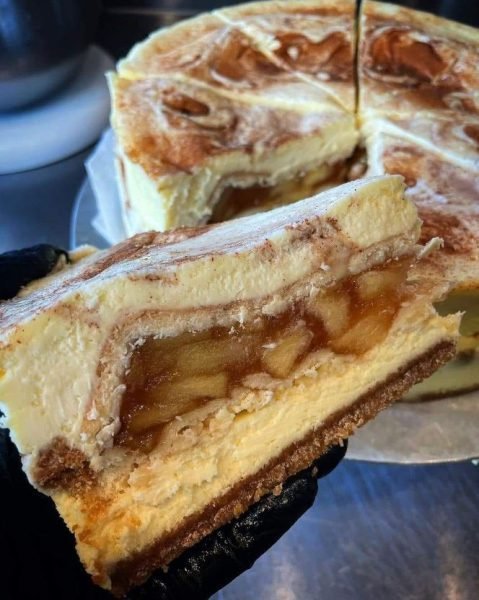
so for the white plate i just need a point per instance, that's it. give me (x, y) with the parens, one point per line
(84, 211)
(407, 433)
(62, 124)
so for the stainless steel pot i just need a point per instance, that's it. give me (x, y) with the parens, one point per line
(42, 43)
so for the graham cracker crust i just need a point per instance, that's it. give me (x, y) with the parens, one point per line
(61, 466)
(136, 569)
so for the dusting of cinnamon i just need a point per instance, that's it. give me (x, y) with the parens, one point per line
(457, 239)
(332, 55)
(472, 132)
(396, 52)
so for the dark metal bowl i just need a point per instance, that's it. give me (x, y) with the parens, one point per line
(42, 43)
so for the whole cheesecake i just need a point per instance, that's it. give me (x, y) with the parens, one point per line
(158, 389)
(262, 104)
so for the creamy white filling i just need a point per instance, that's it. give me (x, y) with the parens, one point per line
(188, 199)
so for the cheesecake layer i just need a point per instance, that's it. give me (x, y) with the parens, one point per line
(162, 492)
(457, 377)
(460, 375)
(418, 116)
(269, 479)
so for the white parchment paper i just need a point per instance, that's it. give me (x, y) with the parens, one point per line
(100, 167)
(428, 432)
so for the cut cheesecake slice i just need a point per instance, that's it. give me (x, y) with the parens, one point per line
(254, 106)
(218, 116)
(158, 389)
(188, 154)
(443, 185)
(419, 117)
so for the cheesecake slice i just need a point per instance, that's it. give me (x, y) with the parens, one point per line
(188, 155)
(262, 104)
(157, 389)
(234, 112)
(419, 117)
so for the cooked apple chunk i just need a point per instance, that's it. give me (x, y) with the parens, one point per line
(332, 308)
(174, 398)
(279, 358)
(373, 283)
(188, 388)
(158, 415)
(209, 356)
(364, 334)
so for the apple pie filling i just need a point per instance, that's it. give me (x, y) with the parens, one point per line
(170, 377)
(238, 202)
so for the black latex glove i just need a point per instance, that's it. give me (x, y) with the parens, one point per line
(39, 558)
(19, 267)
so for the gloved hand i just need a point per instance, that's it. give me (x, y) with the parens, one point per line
(40, 559)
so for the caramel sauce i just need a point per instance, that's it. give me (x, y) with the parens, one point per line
(234, 201)
(173, 376)
(472, 132)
